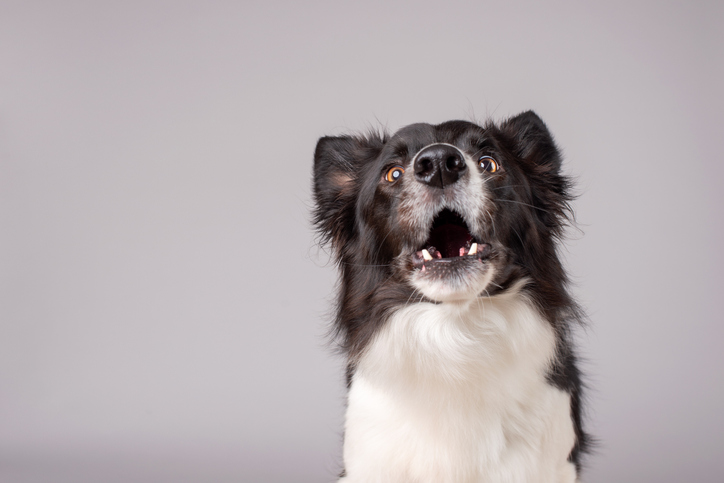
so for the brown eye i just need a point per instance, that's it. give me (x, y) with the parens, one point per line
(488, 164)
(394, 173)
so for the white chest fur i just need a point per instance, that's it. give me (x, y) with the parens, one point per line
(457, 392)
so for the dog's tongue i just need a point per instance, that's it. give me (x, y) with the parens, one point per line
(449, 239)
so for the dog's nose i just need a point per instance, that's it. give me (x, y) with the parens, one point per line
(439, 165)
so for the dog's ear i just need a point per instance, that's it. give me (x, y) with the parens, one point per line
(533, 142)
(338, 164)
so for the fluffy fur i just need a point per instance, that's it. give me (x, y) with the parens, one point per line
(453, 309)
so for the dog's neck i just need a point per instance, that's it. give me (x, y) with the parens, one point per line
(464, 384)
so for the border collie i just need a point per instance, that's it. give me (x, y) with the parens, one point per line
(453, 308)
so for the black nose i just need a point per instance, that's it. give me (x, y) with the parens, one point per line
(439, 165)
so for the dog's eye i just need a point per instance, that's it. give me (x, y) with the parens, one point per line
(488, 164)
(394, 173)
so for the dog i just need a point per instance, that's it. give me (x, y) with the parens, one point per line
(453, 309)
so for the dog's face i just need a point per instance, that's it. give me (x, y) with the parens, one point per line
(454, 210)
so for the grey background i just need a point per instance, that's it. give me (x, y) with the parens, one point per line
(163, 304)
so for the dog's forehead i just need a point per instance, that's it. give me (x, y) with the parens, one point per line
(417, 136)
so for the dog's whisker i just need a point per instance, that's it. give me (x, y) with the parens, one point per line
(524, 204)
(509, 186)
(366, 264)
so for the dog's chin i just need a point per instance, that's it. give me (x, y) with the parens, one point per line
(453, 280)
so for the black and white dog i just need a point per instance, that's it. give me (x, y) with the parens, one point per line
(453, 308)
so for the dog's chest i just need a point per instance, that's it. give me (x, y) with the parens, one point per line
(458, 393)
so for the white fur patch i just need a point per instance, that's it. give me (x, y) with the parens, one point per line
(453, 287)
(457, 393)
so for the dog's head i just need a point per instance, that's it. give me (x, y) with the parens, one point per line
(451, 211)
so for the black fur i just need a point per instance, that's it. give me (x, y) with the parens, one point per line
(361, 217)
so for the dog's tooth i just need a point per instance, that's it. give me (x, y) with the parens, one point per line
(473, 249)
(462, 251)
(426, 255)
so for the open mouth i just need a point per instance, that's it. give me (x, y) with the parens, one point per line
(450, 241)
